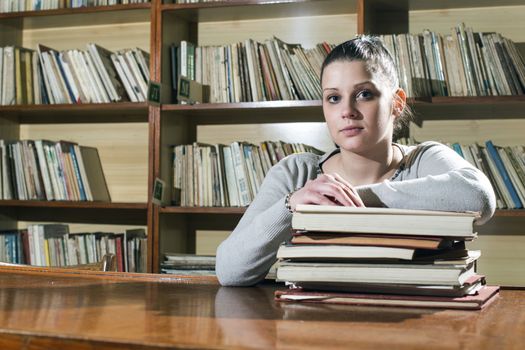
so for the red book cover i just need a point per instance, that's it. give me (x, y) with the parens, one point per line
(120, 265)
(468, 302)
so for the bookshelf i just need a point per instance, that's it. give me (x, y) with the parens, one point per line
(135, 139)
(120, 131)
(177, 229)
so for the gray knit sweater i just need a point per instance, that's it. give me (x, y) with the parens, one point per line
(431, 176)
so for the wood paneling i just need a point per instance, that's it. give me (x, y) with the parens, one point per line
(307, 31)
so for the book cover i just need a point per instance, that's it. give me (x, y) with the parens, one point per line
(374, 220)
(478, 301)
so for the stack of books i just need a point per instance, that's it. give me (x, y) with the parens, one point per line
(382, 256)
(188, 264)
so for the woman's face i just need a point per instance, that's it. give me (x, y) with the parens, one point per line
(357, 106)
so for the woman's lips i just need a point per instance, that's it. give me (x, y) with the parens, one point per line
(351, 130)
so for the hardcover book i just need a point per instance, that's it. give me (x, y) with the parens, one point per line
(478, 301)
(384, 220)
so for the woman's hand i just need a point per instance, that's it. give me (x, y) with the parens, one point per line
(327, 189)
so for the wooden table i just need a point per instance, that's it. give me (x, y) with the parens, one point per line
(46, 309)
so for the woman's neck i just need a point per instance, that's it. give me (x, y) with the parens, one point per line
(367, 169)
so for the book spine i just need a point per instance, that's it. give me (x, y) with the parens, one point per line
(504, 174)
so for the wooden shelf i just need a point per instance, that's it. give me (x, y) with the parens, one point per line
(470, 108)
(452, 4)
(426, 108)
(78, 113)
(204, 210)
(510, 212)
(249, 112)
(258, 9)
(80, 10)
(75, 211)
(72, 204)
(474, 100)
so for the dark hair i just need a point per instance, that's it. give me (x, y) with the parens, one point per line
(378, 59)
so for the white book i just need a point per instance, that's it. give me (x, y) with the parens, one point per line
(54, 172)
(92, 71)
(129, 90)
(102, 71)
(8, 79)
(384, 220)
(44, 171)
(448, 275)
(124, 65)
(37, 78)
(240, 174)
(71, 82)
(82, 93)
(61, 79)
(135, 71)
(231, 181)
(81, 72)
(50, 78)
(142, 58)
(88, 77)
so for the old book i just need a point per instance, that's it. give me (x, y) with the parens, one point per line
(469, 302)
(471, 286)
(327, 252)
(409, 273)
(94, 173)
(106, 69)
(384, 220)
(428, 242)
(189, 261)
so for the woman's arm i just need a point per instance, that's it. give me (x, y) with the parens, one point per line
(437, 178)
(247, 254)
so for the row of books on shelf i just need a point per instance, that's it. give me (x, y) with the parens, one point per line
(37, 5)
(251, 71)
(225, 175)
(46, 170)
(188, 264)
(94, 75)
(465, 63)
(54, 245)
(504, 166)
(382, 256)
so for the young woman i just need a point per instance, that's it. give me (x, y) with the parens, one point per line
(363, 105)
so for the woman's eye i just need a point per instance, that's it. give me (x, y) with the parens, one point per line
(364, 95)
(333, 99)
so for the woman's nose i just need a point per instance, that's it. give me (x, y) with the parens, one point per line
(349, 111)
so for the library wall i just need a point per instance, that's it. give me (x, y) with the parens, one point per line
(313, 134)
(307, 31)
(112, 30)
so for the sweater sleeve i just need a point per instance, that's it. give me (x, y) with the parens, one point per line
(436, 178)
(245, 257)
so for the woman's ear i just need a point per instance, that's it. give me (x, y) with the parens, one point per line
(399, 103)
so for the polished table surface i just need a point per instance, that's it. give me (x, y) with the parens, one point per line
(50, 309)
